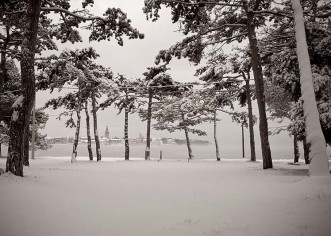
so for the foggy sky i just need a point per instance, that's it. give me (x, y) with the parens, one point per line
(132, 60)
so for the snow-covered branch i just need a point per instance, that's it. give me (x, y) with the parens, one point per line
(67, 12)
(201, 3)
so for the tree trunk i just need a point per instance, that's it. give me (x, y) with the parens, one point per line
(149, 120)
(95, 126)
(258, 78)
(319, 164)
(126, 133)
(26, 146)
(215, 136)
(88, 132)
(250, 119)
(296, 148)
(243, 140)
(22, 112)
(74, 150)
(3, 65)
(33, 131)
(306, 150)
(188, 143)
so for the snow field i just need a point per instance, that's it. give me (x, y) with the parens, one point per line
(163, 198)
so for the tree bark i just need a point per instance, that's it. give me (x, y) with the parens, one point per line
(215, 136)
(88, 132)
(149, 121)
(188, 143)
(259, 88)
(26, 146)
(21, 113)
(95, 126)
(319, 164)
(296, 148)
(250, 119)
(74, 149)
(306, 150)
(126, 133)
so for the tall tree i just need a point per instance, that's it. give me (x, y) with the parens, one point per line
(73, 104)
(126, 101)
(282, 60)
(98, 83)
(12, 90)
(93, 79)
(217, 23)
(156, 84)
(182, 112)
(319, 164)
(114, 24)
(63, 71)
(226, 74)
(23, 105)
(124, 97)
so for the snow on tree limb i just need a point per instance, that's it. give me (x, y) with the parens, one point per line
(19, 102)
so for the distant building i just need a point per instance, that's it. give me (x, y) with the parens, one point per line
(107, 133)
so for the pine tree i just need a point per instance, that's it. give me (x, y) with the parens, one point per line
(114, 24)
(156, 84)
(219, 23)
(319, 164)
(182, 112)
(124, 96)
(225, 73)
(282, 66)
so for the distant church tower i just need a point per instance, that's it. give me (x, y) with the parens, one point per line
(107, 133)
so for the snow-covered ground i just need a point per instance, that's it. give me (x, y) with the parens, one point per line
(114, 198)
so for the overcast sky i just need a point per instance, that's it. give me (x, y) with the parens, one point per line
(132, 60)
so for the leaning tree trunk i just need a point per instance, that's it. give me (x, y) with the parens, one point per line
(74, 149)
(88, 132)
(296, 148)
(23, 107)
(188, 143)
(259, 89)
(215, 136)
(319, 164)
(250, 119)
(126, 133)
(26, 146)
(149, 120)
(95, 126)
(305, 150)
